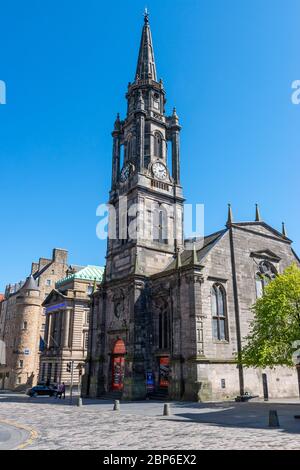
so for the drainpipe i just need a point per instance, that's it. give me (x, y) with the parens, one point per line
(236, 308)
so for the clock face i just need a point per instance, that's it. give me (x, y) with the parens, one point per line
(159, 171)
(125, 173)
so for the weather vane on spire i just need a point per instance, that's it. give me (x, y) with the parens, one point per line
(146, 15)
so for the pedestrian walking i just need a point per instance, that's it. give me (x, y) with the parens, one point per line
(59, 391)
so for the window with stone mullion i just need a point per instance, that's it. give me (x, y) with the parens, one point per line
(219, 314)
(163, 330)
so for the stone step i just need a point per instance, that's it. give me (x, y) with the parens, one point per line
(159, 395)
(111, 396)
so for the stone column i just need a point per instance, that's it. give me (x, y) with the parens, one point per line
(49, 330)
(140, 131)
(175, 155)
(66, 328)
(174, 134)
(116, 157)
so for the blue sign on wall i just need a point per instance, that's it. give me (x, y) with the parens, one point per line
(56, 307)
(150, 380)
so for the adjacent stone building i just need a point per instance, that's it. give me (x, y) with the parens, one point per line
(22, 321)
(67, 322)
(171, 315)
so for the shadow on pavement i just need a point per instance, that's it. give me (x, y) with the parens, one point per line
(253, 415)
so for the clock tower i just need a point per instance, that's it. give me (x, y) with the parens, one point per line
(146, 220)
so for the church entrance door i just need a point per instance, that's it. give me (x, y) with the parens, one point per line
(118, 365)
(164, 370)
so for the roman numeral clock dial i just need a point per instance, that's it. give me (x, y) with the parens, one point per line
(125, 173)
(159, 171)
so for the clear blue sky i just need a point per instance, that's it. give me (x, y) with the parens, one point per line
(227, 65)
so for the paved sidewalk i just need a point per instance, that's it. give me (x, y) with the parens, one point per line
(140, 425)
(12, 437)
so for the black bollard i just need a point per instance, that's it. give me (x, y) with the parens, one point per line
(273, 419)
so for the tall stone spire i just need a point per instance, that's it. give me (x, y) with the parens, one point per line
(146, 68)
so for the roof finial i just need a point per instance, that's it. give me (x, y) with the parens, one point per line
(117, 122)
(229, 218)
(146, 15)
(178, 258)
(284, 230)
(257, 214)
(136, 264)
(194, 254)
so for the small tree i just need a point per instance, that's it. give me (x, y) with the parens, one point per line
(276, 325)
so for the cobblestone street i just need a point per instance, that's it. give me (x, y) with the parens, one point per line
(140, 425)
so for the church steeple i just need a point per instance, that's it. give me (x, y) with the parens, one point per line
(144, 176)
(146, 68)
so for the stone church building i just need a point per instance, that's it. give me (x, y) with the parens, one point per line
(170, 315)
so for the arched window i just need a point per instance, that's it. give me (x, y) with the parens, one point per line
(129, 147)
(160, 226)
(158, 145)
(119, 347)
(259, 282)
(219, 313)
(264, 276)
(163, 330)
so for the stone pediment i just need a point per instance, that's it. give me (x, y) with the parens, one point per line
(261, 228)
(54, 297)
(265, 254)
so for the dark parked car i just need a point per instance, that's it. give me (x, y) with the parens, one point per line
(41, 390)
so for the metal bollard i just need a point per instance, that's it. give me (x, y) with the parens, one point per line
(116, 405)
(79, 402)
(273, 419)
(167, 410)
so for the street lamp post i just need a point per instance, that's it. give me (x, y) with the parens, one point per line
(71, 386)
(79, 367)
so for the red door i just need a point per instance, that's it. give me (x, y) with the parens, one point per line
(118, 365)
(118, 370)
(164, 370)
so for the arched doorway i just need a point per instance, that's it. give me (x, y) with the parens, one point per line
(118, 365)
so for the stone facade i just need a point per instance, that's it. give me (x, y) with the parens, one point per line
(170, 316)
(67, 323)
(22, 321)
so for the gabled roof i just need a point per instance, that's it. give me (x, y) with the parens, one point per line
(89, 273)
(54, 295)
(252, 225)
(203, 247)
(39, 272)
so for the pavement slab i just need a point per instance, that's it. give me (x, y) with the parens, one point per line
(140, 425)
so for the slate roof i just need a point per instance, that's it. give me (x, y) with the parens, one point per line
(30, 284)
(203, 247)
